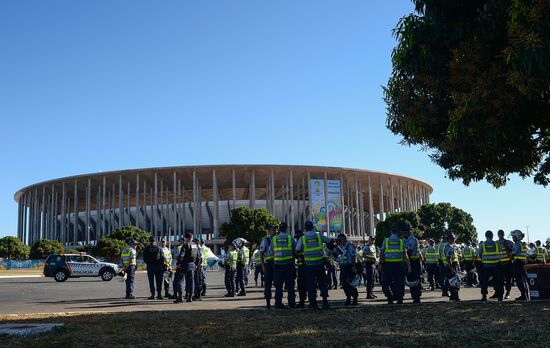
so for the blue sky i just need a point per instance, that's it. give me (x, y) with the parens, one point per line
(88, 86)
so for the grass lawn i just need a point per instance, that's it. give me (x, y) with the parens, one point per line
(428, 325)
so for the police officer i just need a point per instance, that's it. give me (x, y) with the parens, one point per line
(452, 266)
(246, 265)
(369, 264)
(153, 257)
(167, 276)
(230, 263)
(432, 258)
(312, 245)
(256, 260)
(489, 253)
(197, 274)
(392, 257)
(348, 268)
(441, 268)
(468, 254)
(129, 264)
(186, 265)
(541, 252)
(204, 264)
(411, 247)
(178, 275)
(283, 266)
(266, 256)
(505, 262)
(240, 286)
(519, 256)
(300, 273)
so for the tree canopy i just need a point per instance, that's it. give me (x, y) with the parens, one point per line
(432, 221)
(45, 247)
(13, 249)
(471, 84)
(250, 224)
(111, 245)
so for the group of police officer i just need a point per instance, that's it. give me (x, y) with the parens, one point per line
(300, 263)
(189, 269)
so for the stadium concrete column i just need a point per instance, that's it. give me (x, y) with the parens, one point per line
(103, 206)
(381, 199)
(156, 207)
(215, 198)
(24, 219)
(19, 218)
(304, 205)
(120, 203)
(75, 213)
(63, 212)
(253, 190)
(137, 205)
(273, 190)
(233, 188)
(87, 218)
(291, 178)
(357, 231)
(371, 206)
(195, 207)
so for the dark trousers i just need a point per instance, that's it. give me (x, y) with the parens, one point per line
(315, 275)
(347, 277)
(507, 272)
(441, 275)
(240, 286)
(178, 278)
(284, 275)
(370, 269)
(197, 278)
(393, 283)
(521, 278)
(258, 272)
(331, 276)
(166, 279)
(203, 279)
(130, 278)
(431, 270)
(471, 278)
(155, 274)
(486, 273)
(416, 271)
(448, 273)
(301, 282)
(189, 277)
(268, 279)
(230, 280)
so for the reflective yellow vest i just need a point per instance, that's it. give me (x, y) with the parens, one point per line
(541, 254)
(522, 255)
(282, 249)
(314, 250)
(128, 258)
(232, 260)
(468, 253)
(432, 255)
(491, 254)
(393, 251)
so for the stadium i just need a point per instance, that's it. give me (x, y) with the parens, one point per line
(171, 201)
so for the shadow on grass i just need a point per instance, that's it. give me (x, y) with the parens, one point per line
(427, 325)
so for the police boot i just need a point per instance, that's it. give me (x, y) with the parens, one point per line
(300, 304)
(242, 293)
(179, 299)
(203, 293)
(484, 298)
(159, 296)
(313, 305)
(354, 302)
(348, 301)
(268, 303)
(167, 294)
(152, 297)
(325, 303)
(371, 296)
(188, 297)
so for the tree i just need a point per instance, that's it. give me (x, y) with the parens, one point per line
(383, 227)
(12, 248)
(111, 245)
(110, 248)
(471, 84)
(431, 221)
(438, 220)
(45, 247)
(247, 223)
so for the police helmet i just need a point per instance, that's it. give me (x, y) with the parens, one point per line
(133, 242)
(455, 282)
(309, 225)
(517, 234)
(356, 282)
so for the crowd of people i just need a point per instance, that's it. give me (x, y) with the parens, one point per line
(308, 262)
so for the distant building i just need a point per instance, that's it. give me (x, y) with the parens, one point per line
(198, 199)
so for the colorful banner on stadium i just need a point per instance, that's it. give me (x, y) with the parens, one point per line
(335, 208)
(319, 206)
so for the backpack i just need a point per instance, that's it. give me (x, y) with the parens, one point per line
(151, 254)
(191, 252)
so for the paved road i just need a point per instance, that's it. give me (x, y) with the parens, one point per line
(44, 295)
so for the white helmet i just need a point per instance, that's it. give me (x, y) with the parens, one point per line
(517, 234)
(356, 282)
(412, 284)
(121, 276)
(455, 282)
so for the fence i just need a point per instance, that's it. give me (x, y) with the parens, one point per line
(21, 264)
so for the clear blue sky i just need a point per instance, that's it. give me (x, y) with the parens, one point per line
(89, 86)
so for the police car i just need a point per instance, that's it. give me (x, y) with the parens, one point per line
(64, 266)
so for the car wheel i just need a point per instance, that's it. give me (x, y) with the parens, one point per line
(60, 275)
(107, 275)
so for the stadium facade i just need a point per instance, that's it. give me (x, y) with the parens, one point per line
(198, 199)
